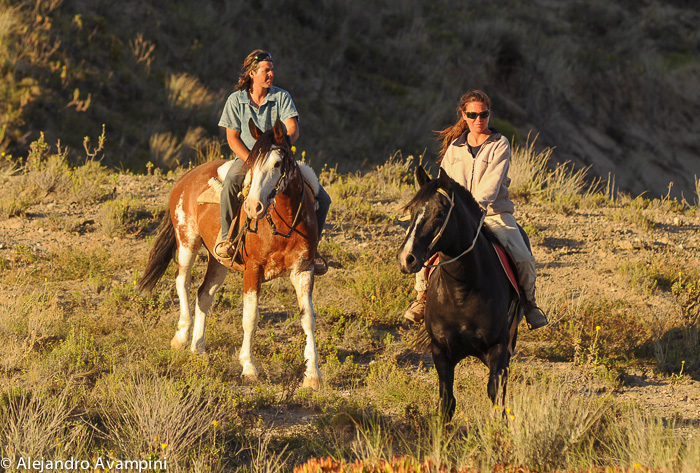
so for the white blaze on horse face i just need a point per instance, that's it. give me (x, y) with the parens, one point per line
(411, 237)
(264, 178)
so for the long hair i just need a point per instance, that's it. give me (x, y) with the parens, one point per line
(250, 63)
(451, 133)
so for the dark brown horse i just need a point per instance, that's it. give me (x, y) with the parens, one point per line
(281, 237)
(471, 309)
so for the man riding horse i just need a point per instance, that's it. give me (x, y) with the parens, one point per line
(256, 98)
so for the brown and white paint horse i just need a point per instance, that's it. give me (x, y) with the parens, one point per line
(282, 239)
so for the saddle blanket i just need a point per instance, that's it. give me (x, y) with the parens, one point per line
(506, 263)
(211, 195)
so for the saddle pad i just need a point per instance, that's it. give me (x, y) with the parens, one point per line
(503, 257)
(507, 265)
(212, 194)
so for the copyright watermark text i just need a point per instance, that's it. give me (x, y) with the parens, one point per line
(40, 465)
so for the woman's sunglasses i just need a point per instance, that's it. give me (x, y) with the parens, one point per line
(473, 115)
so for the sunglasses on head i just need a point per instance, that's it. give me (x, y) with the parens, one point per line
(473, 115)
(263, 57)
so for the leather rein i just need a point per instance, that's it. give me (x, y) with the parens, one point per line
(437, 237)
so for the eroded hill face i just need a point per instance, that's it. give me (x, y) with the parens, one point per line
(612, 85)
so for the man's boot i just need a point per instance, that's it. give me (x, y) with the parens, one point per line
(223, 248)
(534, 316)
(416, 310)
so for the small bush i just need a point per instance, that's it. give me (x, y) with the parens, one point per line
(123, 216)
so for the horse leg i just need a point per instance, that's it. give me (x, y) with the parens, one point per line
(304, 285)
(446, 375)
(498, 358)
(213, 279)
(185, 260)
(252, 280)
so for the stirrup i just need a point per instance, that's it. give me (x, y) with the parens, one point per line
(320, 269)
(535, 317)
(223, 248)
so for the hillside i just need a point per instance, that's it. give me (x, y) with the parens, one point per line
(612, 85)
(86, 361)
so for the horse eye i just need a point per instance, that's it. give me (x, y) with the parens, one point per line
(277, 164)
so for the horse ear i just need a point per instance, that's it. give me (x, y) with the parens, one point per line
(421, 176)
(280, 132)
(254, 130)
(444, 179)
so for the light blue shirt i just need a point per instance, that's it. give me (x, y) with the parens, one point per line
(239, 110)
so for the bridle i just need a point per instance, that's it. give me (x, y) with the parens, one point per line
(437, 237)
(271, 198)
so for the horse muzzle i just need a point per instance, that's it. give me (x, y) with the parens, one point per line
(408, 261)
(254, 208)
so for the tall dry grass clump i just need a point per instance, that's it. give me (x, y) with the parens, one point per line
(150, 416)
(528, 169)
(37, 424)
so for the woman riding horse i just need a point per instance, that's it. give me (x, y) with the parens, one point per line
(478, 158)
(256, 98)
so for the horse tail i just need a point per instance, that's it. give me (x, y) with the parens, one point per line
(422, 340)
(161, 254)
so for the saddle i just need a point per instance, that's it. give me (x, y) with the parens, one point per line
(503, 256)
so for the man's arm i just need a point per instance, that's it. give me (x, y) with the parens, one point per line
(292, 125)
(233, 137)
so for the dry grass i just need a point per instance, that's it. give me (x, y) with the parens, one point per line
(92, 359)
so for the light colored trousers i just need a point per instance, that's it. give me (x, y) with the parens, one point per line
(505, 228)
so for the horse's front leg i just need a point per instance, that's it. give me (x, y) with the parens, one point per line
(303, 282)
(446, 375)
(498, 359)
(252, 280)
(213, 279)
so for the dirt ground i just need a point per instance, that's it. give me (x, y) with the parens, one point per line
(576, 253)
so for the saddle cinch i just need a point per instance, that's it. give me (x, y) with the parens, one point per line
(212, 194)
(504, 257)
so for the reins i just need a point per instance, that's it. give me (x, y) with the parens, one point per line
(444, 225)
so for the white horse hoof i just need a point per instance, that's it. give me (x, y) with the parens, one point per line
(249, 378)
(313, 383)
(176, 343)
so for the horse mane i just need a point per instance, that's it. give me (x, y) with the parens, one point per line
(431, 187)
(264, 145)
(466, 197)
(261, 147)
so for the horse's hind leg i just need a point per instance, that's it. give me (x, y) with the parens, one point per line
(304, 285)
(214, 278)
(186, 256)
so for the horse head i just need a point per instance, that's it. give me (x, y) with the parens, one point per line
(271, 162)
(430, 211)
